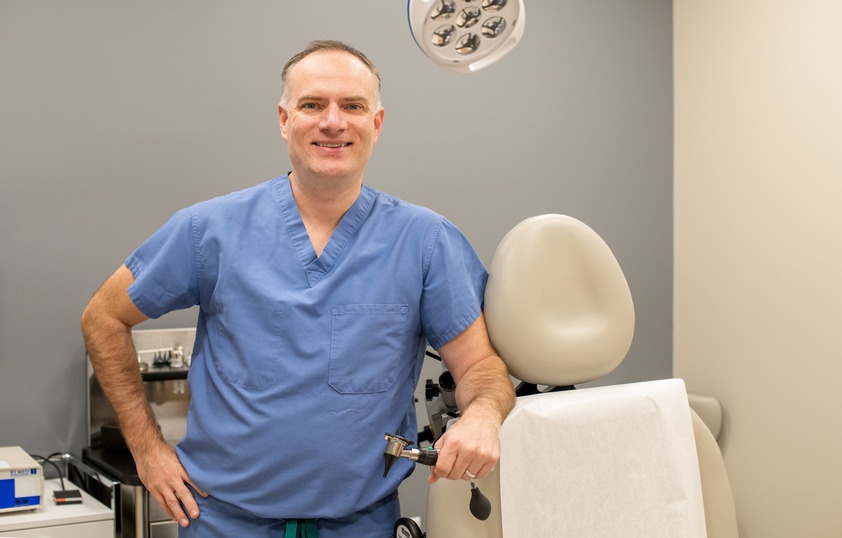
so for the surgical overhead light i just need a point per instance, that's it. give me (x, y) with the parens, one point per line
(466, 35)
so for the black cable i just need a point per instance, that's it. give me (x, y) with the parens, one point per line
(433, 355)
(51, 462)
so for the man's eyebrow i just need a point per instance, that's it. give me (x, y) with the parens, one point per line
(304, 98)
(350, 99)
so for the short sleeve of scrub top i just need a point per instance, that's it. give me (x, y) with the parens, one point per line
(455, 275)
(165, 268)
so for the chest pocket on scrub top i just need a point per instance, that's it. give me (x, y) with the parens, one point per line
(366, 347)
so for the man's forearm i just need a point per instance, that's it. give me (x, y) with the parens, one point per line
(487, 386)
(114, 358)
(485, 395)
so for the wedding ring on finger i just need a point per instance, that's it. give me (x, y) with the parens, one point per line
(469, 474)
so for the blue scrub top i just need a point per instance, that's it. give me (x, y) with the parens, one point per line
(303, 362)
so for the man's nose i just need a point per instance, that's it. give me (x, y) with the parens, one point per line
(332, 118)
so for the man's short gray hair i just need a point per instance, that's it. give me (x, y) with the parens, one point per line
(329, 46)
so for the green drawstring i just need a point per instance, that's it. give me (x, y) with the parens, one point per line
(301, 528)
(310, 529)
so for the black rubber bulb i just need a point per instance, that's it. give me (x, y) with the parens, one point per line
(480, 505)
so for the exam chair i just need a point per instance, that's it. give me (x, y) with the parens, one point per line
(559, 312)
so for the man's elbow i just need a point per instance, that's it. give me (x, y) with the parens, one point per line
(102, 318)
(92, 318)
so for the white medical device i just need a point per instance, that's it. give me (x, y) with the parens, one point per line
(21, 480)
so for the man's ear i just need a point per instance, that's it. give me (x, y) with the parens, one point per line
(282, 117)
(378, 123)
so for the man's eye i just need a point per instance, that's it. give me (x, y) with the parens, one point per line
(356, 107)
(309, 106)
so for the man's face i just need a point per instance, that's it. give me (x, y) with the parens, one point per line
(330, 122)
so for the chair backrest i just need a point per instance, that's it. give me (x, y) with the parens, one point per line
(557, 305)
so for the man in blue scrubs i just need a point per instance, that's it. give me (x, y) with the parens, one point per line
(318, 296)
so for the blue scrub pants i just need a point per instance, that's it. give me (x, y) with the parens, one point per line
(218, 519)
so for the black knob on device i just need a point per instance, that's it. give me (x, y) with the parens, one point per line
(428, 456)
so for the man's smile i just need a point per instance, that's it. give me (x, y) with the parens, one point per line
(326, 145)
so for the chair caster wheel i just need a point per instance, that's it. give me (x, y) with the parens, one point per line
(407, 528)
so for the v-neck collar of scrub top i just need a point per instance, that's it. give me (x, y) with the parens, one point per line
(315, 267)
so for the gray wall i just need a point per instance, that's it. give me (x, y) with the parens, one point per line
(113, 115)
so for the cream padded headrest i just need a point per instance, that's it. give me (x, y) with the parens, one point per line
(557, 306)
